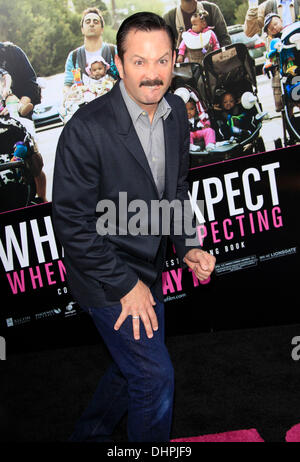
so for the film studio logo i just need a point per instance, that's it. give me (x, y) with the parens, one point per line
(2, 348)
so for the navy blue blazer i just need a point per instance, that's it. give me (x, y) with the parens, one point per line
(98, 155)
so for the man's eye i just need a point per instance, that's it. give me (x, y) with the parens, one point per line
(163, 61)
(139, 62)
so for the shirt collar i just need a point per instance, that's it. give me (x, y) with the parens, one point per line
(135, 111)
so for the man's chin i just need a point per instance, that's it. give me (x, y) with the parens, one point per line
(155, 94)
(150, 102)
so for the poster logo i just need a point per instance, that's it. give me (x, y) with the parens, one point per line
(2, 348)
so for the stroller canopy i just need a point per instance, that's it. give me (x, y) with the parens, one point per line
(230, 68)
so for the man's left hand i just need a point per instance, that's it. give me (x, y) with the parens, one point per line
(201, 262)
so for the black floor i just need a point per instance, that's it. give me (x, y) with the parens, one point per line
(225, 381)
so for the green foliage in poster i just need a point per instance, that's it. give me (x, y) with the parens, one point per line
(48, 29)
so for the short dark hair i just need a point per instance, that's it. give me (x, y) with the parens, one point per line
(193, 102)
(144, 21)
(92, 10)
(227, 93)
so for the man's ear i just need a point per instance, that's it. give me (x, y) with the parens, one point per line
(119, 65)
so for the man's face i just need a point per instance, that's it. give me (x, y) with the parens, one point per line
(91, 26)
(147, 66)
(275, 26)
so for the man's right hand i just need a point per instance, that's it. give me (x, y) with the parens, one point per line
(139, 304)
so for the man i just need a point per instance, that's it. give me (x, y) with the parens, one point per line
(288, 10)
(179, 19)
(92, 24)
(133, 140)
(24, 87)
(23, 78)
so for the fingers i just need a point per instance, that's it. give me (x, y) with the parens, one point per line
(153, 302)
(140, 312)
(200, 273)
(149, 320)
(207, 262)
(136, 327)
(201, 262)
(120, 320)
(153, 319)
(205, 267)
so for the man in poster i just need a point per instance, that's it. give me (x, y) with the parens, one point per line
(134, 139)
(179, 19)
(288, 11)
(92, 26)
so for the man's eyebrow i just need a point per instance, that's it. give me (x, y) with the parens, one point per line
(142, 57)
(166, 54)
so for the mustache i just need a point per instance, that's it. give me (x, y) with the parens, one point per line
(151, 83)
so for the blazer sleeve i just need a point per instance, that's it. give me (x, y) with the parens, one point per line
(76, 191)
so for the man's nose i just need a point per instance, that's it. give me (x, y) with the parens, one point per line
(152, 70)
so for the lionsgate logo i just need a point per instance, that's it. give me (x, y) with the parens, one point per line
(138, 218)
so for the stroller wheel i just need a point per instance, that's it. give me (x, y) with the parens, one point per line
(278, 143)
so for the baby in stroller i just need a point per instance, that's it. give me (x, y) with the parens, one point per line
(231, 118)
(284, 54)
(97, 83)
(273, 27)
(199, 126)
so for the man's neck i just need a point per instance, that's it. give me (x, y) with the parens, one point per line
(93, 44)
(188, 7)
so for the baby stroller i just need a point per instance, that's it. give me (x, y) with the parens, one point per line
(81, 93)
(17, 185)
(229, 69)
(286, 53)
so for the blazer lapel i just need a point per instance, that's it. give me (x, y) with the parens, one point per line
(127, 133)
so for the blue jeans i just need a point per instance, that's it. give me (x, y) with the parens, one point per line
(140, 381)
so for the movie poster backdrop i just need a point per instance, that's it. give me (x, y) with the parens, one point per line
(249, 221)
